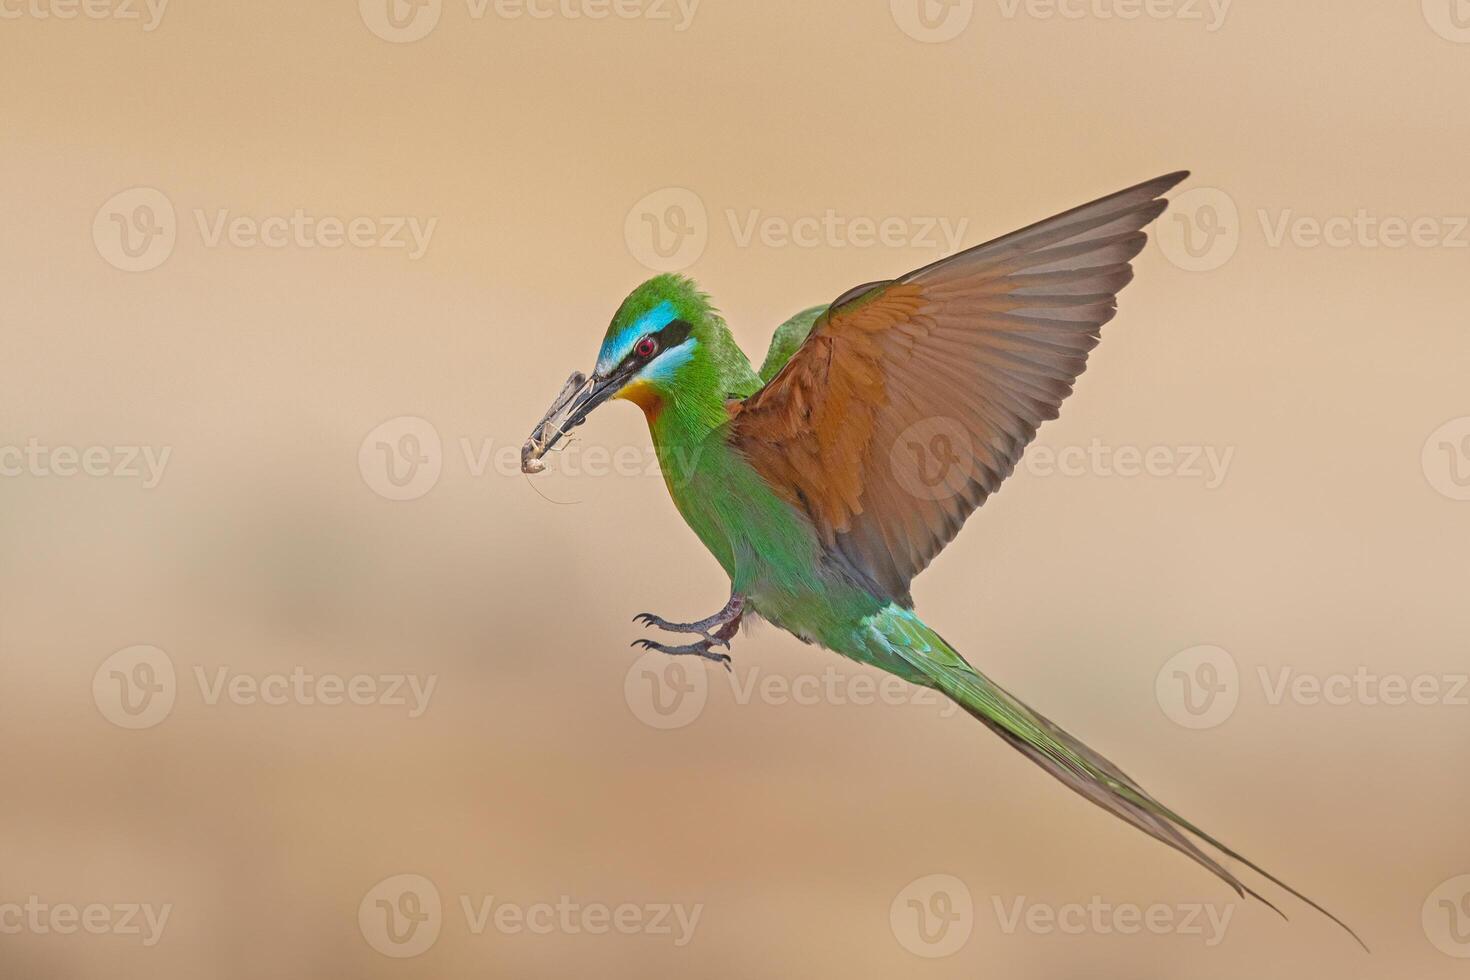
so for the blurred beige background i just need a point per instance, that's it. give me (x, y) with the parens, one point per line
(207, 668)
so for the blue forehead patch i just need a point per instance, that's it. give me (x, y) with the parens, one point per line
(617, 347)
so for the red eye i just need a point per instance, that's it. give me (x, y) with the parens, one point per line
(646, 347)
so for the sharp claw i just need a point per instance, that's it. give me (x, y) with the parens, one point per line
(704, 648)
(701, 650)
(650, 620)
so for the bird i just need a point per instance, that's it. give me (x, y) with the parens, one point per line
(826, 480)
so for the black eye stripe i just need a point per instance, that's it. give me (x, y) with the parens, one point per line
(672, 335)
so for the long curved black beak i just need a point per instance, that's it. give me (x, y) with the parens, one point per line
(578, 397)
(593, 393)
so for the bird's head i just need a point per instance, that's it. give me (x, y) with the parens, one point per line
(666, 346)
(652, 348)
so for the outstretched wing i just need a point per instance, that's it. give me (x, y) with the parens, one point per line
(911, 400)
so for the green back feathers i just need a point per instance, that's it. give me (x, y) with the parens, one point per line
(788, 337)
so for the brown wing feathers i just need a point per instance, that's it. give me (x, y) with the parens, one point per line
(969, 354)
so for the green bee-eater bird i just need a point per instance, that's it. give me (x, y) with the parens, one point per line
(825, 481)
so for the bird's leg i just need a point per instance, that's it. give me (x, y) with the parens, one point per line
(703, 648)
(724, 623)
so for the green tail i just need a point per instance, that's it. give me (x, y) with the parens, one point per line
(1060, 754)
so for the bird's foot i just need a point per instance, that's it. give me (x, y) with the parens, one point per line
(658, 622)
(716, 629)
(704, 648)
